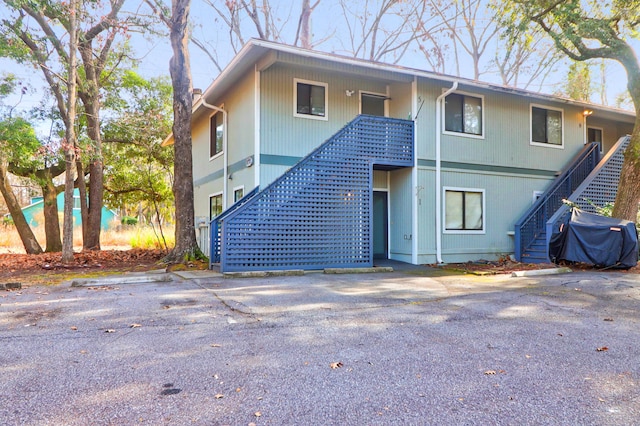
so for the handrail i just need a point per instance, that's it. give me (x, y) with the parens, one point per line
(610, 164)
(533, 221)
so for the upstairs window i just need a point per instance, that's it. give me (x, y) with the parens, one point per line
(464, 114)
(546, 126)
(216, 135)
(310, 99)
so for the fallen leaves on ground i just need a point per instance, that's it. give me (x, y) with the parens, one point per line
(505, 265)
(335, 365)
(42, 268)
(602, 349)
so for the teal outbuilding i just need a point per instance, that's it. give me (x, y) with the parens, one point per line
(34, 212)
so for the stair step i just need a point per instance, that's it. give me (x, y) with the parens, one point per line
(537, 251)
(535, 260)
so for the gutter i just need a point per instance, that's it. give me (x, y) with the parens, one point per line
(225, 157)
(439, 171)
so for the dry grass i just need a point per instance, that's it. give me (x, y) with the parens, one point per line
(126, 238)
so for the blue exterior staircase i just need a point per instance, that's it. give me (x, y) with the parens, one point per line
(587, 181)
(318, 213)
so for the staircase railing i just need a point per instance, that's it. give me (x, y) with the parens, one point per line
(598, 188)
(214, 226)
(318, 213)
(533, 222)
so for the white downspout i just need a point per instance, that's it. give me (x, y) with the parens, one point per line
(225, 158)
(414, 172)
(438, 172)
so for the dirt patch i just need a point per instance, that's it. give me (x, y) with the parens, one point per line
(507, 266)
(47, 268)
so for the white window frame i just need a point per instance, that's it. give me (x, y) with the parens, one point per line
(215, 194)
(601, 135)
(326, 99)
(462, 134)
(543, 144)
(224, 130)
(384, 96)
(234, 193)
(464, 231)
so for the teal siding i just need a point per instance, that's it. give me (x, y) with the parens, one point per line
(284, 135)
(241, 134)
(507, 196)
(291, 60)
(400, 205)
(503, 163)
(34, 213)
(208, 173)
(400, 104)
(425, 194)
(426, 118)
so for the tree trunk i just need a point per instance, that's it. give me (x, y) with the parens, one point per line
(44, 177)
(628, 195)
(31, 245)
(51, 221)
(82, 191)
(186, 246)
(70, 136)
(91, 237)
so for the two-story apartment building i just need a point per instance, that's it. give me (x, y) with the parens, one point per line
(434, 169)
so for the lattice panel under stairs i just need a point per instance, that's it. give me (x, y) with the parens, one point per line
(318, 214)
(601, 187)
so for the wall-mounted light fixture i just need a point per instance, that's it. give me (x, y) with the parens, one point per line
(349, 92)
(587, 112)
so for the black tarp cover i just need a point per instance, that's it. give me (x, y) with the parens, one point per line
(598, 240)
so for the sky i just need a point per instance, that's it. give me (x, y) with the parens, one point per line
(153, 54)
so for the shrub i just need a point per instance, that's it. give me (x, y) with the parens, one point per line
(7, 220)
(128, 220)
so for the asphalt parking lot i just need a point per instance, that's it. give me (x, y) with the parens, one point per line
(361, 349)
